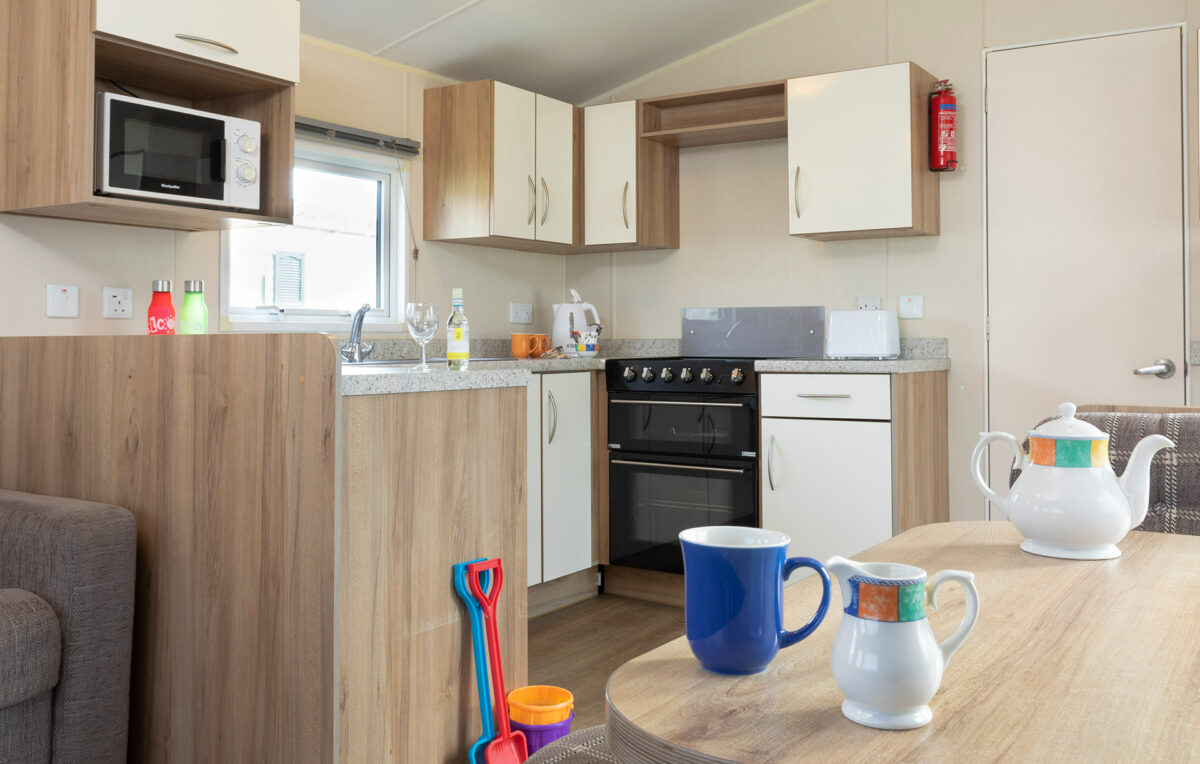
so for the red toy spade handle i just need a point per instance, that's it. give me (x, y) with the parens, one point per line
(488, 603)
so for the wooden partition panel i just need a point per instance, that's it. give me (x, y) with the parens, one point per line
(223, 447)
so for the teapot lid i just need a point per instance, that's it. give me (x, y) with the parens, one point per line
(1067, 426)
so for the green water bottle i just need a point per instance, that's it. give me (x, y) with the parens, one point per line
(193, 316)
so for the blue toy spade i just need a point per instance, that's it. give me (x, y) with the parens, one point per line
(476, 753)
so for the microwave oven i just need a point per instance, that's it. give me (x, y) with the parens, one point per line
(151, 150)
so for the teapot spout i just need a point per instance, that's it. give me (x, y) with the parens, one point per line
(843, 569)
(1135, 482)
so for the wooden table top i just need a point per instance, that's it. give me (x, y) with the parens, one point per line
(1069, 660)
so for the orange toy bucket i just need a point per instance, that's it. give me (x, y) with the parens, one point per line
(540, 704)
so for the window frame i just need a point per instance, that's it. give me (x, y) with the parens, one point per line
(389, 167)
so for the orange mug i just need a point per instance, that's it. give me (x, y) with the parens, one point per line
(529, 345)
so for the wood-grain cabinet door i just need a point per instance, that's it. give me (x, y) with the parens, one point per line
(260, 36)
(566, 474)
(827, 484)
(849, 151)
(610, 173)
(555, 170)
(514, 195)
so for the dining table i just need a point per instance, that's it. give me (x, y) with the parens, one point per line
(1070, 660)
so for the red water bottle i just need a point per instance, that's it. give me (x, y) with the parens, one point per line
(160, 319)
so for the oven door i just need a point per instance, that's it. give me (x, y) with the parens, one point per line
(652, 499)
(151, 150)
(698, 425)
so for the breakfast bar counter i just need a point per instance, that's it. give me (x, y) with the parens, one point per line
(1069, 660)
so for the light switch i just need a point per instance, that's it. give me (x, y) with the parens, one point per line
(62, 301)
(912, 306)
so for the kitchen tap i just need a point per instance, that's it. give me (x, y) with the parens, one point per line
(355, 350)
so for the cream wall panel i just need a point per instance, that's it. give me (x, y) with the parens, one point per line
(1012, 22)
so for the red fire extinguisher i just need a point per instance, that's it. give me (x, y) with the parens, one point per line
(943, 128)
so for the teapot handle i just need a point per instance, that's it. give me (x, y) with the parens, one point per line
(967, 582)
(977, 465)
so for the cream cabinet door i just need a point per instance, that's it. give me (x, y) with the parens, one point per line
(533, 480)
(849, 151)
(514, 195)
(258, 35)
(827, 484)
(566, 473)
(610, 173)
(555, 170)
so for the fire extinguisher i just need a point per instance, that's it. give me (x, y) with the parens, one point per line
(943, 128)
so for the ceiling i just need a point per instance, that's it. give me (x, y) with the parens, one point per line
(574, 50)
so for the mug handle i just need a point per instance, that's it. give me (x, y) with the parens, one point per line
(967, 582)
(541, 343)
(789, 638)
(531, 343)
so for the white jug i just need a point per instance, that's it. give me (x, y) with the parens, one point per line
(571, 315)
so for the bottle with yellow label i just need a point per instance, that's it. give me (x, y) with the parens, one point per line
(458, 336)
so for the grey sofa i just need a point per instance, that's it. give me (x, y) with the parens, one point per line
(66, 625)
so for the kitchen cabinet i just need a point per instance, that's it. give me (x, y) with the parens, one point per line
(858, 154)
(500, 167)
(848, 460)
(631, 184)
(260, 36)
(560, 518)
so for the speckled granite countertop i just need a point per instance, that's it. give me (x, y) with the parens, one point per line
(384, 380)
(834, 366)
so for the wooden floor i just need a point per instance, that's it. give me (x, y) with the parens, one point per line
(578, 647)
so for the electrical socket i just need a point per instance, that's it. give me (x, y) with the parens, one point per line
(520, 313)
(117, 302)
(869, 303)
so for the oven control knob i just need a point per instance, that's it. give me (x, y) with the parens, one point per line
(647, 374)
(247, 173)
(629, 373)
(247, 144)
(666, 374)
(737, 376)
(686, 375)
(706, 376)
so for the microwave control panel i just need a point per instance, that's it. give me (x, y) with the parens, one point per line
(244, 140)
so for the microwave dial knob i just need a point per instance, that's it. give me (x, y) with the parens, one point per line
(686, 375)
(248, 144)
(629, 373)
(247, 173)
(647, 374)
(737, 376)
(666, 374)
(706, 376)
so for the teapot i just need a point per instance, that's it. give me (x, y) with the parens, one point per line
(885, 658)
(1067, 501)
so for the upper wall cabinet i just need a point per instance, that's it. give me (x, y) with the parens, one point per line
(260, 36)
(631, 184)
(858, 154)
(500, 168)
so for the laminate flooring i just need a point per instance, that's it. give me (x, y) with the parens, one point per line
(579, 646)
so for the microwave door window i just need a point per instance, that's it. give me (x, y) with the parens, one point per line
(166, 152)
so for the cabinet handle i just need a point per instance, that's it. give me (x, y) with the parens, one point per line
(206, 41)
(546, 205)
(625, 204)
(553, 417)
(822, 395)
(771, 463)
(678, 466)
(796, 191)
(532, 200)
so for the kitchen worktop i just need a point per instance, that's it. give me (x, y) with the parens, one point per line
(836, 366)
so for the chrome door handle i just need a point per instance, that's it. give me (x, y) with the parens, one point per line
(1163, 368)
(678, 466)
(822, 395)
(796, 191)
(532, 200)
(625, 204)
(554, 417)
(770, 463)
(676, 403)
(206, 41)
(546, 205)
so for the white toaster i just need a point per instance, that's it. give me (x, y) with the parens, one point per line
(863, 334)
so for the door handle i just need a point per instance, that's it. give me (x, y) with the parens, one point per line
(532, 200)
(770, 463)
(546, 204)
(678, 466)
(553, 417)
(796, 191)
(206, 41)
(1163, 368)
(625, 204)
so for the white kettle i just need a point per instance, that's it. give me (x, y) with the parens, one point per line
(570, 316)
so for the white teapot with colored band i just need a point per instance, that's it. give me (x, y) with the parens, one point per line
(1068, 502)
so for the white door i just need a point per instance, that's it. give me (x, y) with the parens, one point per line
(1085, 224)
(827, 484)
(610, 173)
(514, 194)
(566, 473)
(533, 479)
(555, 170)
(849, 152)
(260, 36)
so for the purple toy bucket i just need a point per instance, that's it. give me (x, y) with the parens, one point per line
(538, 736)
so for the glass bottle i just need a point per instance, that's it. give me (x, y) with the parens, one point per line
(458, 336)
(160, 318)
(193, 315)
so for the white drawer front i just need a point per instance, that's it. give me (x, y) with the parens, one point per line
(826, 396)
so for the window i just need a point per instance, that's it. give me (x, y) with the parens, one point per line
(341, 251)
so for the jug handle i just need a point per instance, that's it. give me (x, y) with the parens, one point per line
(977, 465)
(789, 638)
(967, 582)
(587, 306)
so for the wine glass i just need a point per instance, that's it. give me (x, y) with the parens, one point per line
(422, 320)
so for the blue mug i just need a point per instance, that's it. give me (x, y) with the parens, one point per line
(733, 596)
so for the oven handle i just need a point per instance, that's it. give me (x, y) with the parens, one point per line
(674, 403)
(678, 466)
